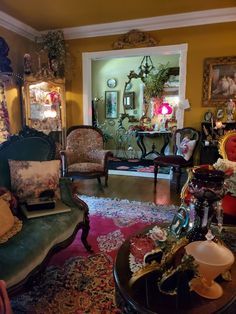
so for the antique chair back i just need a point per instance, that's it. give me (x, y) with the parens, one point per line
(29, 144)
(227, 145)
(84, 156)
(185, 143)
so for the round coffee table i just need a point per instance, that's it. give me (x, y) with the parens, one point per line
(144, 297)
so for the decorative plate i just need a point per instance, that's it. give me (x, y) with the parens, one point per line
(112, 82)
(141, 245)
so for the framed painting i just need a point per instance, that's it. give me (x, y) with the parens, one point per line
(129, 100)
(111, 104)
(219, 81)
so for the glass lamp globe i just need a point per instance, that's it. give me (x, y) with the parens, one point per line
(213, 259)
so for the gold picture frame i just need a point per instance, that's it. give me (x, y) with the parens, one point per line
(219, 81)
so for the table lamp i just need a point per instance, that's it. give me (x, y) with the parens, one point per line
(164, 109)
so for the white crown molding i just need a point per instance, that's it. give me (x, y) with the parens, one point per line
(148, 24)
(153, 23)
(17, 26)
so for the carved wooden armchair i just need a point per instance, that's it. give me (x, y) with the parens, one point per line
(84, 156)
(185, 143)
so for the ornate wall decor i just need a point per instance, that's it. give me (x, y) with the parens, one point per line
(134, 39)
(219, 81)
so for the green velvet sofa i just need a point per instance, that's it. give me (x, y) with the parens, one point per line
(28, 252)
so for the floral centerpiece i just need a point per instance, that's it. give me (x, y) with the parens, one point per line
(229, 168)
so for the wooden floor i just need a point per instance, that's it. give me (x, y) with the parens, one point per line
(131, 188)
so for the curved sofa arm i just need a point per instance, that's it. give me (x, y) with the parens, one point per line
(67, 158)
(73, 200)
(68, 197)
(100, 156)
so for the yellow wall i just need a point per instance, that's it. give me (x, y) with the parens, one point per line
(203, 41)
(18, 46)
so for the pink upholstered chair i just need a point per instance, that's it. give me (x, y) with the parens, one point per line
(227, 146)
(227, 149)
(84, 156)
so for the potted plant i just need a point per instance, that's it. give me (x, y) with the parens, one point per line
(155, 83)
(53, 44)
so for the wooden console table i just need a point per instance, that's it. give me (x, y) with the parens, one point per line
(144, 297)
(140, 135)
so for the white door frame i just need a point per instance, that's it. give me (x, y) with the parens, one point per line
(88, 57)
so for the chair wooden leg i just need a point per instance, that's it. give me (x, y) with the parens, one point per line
(155, 174)
(99, 180)
(178, 177)
(106, 180)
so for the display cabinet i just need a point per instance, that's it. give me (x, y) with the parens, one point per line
(44, 106)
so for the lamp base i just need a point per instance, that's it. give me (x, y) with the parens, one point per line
(214, 291)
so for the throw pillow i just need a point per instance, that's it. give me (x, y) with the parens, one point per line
(10, 198)
(6, 217)
(186, 148)
(30, 178)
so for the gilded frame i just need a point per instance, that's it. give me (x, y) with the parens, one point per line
(219, 81)
(223, 140)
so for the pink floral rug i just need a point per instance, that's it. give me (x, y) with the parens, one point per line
(79, 282)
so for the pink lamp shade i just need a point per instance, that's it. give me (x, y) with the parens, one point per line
(165, 108)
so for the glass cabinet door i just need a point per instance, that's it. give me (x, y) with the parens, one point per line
(45, 107)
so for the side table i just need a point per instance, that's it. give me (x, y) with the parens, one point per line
(140, 135)
(144, 298)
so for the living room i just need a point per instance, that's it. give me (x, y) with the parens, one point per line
(205, 30)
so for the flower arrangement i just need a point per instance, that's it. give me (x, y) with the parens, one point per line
(155, 82)
(229, 168)
(53, 43)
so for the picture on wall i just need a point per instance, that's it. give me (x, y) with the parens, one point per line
(219, 80)
(111, 104)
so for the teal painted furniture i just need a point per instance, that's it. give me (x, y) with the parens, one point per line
(28, 252)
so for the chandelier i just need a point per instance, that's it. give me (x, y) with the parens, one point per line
(146, 66)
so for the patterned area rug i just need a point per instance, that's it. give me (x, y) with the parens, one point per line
(135, 165)
(79, 282)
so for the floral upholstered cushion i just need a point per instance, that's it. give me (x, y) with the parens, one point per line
(30, 178)
(186, 148)
(84, 167)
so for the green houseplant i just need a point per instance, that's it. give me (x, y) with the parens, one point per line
(53, 43)
(155, 82)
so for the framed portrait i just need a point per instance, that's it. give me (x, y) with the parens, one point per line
(219, 80)
(111, 104)
(129, 100)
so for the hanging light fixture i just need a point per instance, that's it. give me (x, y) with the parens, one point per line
(146, 66)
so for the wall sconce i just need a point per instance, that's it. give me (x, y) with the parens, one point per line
(164, 109)
(146, 66)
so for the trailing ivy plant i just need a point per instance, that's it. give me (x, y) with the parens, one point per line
(155, 82)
